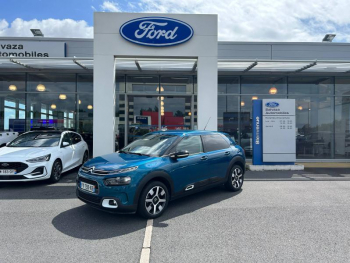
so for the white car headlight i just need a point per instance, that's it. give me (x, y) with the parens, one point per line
(44, 158)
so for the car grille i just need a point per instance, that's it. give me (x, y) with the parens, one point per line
(88, 197)
(95, 172)
(19, 167)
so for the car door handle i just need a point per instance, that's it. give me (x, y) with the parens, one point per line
(203, 158)
(227, 153)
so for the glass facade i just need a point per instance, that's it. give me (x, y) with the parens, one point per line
(61, 101)
(322, 111)
(151, 102)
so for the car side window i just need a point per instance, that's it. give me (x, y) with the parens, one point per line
(192, 144)
(67, 138)
(214, 142)
(76, 138)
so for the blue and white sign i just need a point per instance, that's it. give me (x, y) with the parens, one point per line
(272, 104)
(156, 31)
(274, 132)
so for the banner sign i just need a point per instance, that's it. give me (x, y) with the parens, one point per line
(32, 49)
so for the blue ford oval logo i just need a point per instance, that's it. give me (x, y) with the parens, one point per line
(156, 31)
(272, 104)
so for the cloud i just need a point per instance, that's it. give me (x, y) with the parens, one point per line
(110, 6)
(266, 20)
(49, 27)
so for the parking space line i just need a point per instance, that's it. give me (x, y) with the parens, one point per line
(146, 247)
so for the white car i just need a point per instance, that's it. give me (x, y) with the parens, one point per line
(6, 137)
(41, 155)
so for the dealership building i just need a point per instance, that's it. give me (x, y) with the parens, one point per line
(146, 72)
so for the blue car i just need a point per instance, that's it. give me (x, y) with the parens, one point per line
(160, 166)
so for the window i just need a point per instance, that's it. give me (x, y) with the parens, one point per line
(76, 138)
(214, 142)
(192, 144)
(67, 138)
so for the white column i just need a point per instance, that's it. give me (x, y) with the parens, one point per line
(207, 77)
(104, 105)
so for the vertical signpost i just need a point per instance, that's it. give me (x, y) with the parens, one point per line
(274, 132)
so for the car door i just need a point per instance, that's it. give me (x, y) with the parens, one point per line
(67, 151)
(219, 154)
(188, 172)
(78, 148)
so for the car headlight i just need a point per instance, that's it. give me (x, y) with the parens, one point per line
(118, 181)
(44, 158)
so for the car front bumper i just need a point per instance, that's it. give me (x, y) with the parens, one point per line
(96, 202)
(28, 174)
(122, 195)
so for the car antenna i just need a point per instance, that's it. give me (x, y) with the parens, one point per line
(207, 123)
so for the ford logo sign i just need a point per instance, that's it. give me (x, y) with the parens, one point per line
(272, 104)
(156, 31)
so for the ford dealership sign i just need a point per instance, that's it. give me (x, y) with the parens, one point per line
(156, 31)
(272, 104)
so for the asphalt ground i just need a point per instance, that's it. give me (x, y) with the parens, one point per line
(277, 217)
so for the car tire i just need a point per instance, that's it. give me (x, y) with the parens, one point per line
(85, 157)
(56, 172)
(235, 179)
(153, 200)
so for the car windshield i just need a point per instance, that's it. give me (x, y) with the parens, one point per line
(150, 144)
(36, 139)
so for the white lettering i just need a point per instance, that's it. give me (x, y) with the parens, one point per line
(148, 29)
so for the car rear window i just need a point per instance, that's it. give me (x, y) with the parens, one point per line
(214, 142)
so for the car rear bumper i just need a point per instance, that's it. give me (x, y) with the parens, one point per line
(96, 202)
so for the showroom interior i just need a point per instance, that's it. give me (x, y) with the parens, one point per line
(157, 92)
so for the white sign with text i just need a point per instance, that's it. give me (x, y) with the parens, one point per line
(279, 143)
(32, 49)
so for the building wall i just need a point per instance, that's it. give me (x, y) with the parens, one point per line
(284, 51)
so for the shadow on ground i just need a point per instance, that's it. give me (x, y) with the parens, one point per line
(85, 222)
(64, 189)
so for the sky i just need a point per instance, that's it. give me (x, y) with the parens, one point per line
(239, 20)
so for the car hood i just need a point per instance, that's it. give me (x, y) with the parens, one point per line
(23, 152)
(116, 161)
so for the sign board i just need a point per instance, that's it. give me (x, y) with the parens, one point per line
(32, 49)
(156, 31)
(143, 120)
(278, 120)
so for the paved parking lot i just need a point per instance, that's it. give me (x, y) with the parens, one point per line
(269, 220)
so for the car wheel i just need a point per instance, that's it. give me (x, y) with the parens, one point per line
(235, 180)
(153, 200)
(56, 172)
(85, 157)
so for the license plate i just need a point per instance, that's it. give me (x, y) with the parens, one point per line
(87, 187)
(7, 171)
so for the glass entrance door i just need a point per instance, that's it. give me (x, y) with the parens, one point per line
(152, 113)
(176, 113)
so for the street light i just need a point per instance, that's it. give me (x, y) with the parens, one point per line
(37, 32)
(328, 37)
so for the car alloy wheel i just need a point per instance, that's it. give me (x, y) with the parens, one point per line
(237, 177)
(56, 172)
(156, 200)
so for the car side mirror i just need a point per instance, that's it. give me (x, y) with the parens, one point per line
(179, 154)
(65, 144)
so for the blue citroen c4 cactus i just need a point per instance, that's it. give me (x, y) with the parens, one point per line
(159, 167)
